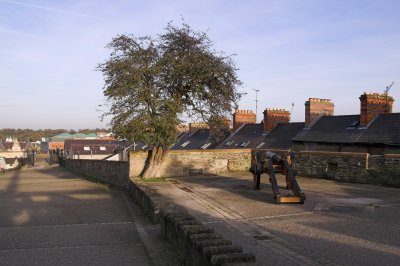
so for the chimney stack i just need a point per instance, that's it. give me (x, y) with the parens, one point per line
(241, 117)
(194, 126)
(273, 116)
(316, 108)
(373, 104)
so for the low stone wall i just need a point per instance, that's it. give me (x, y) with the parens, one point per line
(195, 162)
(110, 172)
(350, 167)
(197, 243)
(343, 166)
(384, 170)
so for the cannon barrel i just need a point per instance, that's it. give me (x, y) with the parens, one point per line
(276, 158)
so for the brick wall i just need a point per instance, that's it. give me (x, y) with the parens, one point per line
(194, 162)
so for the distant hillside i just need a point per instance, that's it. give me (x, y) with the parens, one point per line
(34, 135)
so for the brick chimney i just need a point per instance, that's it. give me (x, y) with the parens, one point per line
(241, 117)
(316, 108)
(194, 126)
(373, 104)
(273, 116)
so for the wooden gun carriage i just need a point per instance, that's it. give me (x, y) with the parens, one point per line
(272, 164)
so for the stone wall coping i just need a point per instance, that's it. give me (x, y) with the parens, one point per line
(392, 156)
(353, 154)
(202, 151)
(273, 150)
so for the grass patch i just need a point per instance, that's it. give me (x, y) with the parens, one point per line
(155, 180)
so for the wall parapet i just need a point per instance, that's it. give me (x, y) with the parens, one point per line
(194, 162)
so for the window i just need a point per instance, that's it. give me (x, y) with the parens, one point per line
(205, 146)
(228, 143)
(185, 143)
(244, 144)
(354, 124)
(86, 148)
(103, 148)
(260, 145)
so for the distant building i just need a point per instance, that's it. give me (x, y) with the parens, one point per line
(375, 130)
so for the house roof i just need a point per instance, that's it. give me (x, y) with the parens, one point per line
(25, 145)
(246, 136)
(253, 136)
(8, 145)
(199, 139)
(92, 149)
(130, 146)
(88, 142)
(332, 129)
(384, 129)
(62, 136)
(280, 137)
(10, 161)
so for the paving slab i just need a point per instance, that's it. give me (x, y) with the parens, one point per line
(49, 216)
(339, 224)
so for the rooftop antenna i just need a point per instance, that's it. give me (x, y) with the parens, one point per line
(386, 92)
(291, 110)
(256, 102)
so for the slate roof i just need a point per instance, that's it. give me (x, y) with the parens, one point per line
(194, 140)
(280, 137)
(253, 136)
(8, 145)
(331, 129)
(25, 145)
(93, 149)
(11, 161)
(246, 136)
(130, 146)
(89, 142)
(384, 129)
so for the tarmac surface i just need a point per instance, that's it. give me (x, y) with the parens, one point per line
(49, 216)
(339, 224)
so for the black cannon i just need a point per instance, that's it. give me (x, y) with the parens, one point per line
(271, 164)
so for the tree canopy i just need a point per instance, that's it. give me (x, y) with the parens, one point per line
(151, 83)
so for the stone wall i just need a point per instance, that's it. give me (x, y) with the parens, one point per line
(195, 162)
(110, 172)
(199, 244)
(350, 167)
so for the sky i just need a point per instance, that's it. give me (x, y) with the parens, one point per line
(289, 50)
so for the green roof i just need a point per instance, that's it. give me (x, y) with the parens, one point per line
(79, 135)
(63, 136)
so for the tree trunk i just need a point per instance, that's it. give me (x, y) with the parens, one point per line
(153, 162)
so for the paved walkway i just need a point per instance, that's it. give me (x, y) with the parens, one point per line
(339, 224)
(49, 216)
